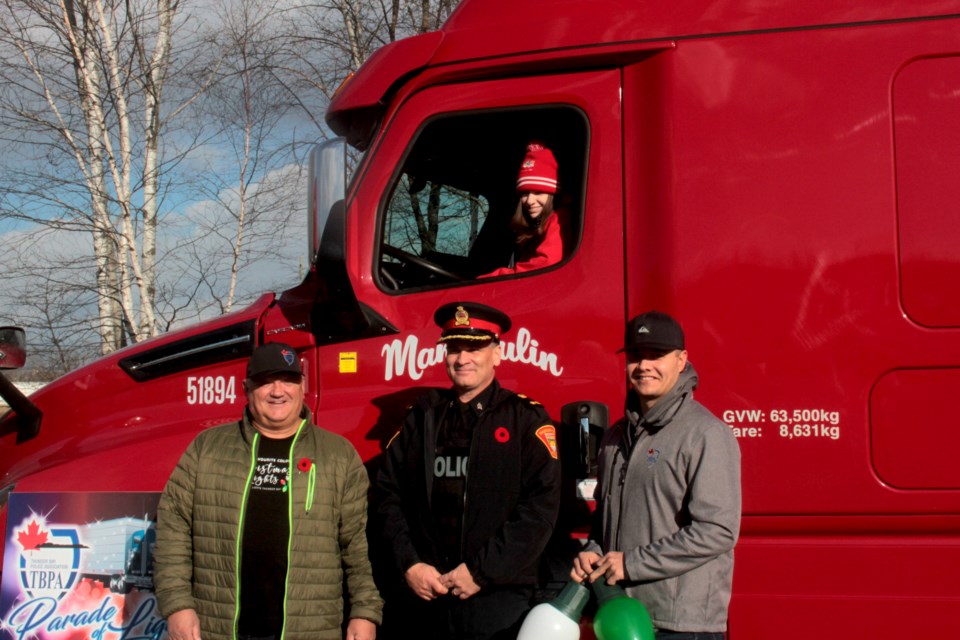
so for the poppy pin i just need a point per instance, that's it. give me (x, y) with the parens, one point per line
(501, 435)
(304, 465)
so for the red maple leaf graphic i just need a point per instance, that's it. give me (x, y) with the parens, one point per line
(32, 538)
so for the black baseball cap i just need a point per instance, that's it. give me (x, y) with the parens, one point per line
(470, 321)
(273, 357)
(653, 330)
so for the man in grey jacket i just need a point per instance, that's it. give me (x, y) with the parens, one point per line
(668, 492)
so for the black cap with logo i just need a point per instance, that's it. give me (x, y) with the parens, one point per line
(271, 358)
(653, 330)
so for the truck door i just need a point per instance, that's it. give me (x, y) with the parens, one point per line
(428, 214)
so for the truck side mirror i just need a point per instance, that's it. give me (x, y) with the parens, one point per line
(13, 348)
(583, 424)
(328, 185)
(13, 355)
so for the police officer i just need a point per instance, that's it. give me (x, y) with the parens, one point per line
(469, 493)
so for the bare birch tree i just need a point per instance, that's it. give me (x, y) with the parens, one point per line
(94, 99)
(330, 39)
(83, 81)
(247, 105)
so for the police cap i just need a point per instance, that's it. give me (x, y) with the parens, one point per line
(470, 321)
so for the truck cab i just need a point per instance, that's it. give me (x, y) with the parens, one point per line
(778, 176)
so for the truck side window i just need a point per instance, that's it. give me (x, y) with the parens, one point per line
(446, 220)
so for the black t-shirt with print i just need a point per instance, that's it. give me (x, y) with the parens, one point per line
(266, 531)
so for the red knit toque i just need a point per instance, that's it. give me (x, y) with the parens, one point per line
(539, 170)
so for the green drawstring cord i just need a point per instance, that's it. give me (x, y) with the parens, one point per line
(311, 474)
(311, 485)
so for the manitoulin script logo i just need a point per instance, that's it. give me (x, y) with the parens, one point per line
(407, 358)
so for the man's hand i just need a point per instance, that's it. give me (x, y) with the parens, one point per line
(460, 582)
(424, 580)
(609, 566)
(360, 629)
(583, 565)
(183, 625)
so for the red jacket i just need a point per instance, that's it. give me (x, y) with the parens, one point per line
(537, 255)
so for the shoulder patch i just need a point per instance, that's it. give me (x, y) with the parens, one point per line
(529, 401)
(547, 434)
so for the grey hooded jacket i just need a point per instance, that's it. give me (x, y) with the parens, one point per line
(669, 498)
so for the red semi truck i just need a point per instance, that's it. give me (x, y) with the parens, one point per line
(781, 176)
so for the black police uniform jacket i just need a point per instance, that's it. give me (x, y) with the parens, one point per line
(512, 489)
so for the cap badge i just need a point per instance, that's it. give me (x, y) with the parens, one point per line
(643, 329)
(528, 164)
(461, 317)
(288, 357)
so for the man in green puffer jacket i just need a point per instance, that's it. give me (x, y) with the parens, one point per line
(263, 521)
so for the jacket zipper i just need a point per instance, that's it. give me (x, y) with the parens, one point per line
(238, 550)
(290, 468)
(466, 484)
(621, 482)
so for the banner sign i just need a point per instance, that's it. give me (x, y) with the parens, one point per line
(79, 566)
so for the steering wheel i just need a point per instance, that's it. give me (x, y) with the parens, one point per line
(417, 261)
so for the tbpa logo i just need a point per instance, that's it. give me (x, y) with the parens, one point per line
(652, 455)
(49, 559)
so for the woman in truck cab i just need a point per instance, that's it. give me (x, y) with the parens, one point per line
(536, 225)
